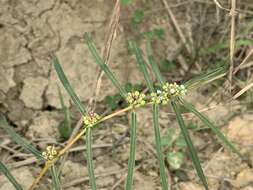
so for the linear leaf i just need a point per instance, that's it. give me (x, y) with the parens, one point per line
(10, 177)
(216, 130)
(206, 77)
(55, 178)
(153, 64)
(67, 86)
(65, 127)
(193, 152)
(131, 161)
(141, 64)
(90, 159)
(103, 66)
(18, 139)
(160, 155)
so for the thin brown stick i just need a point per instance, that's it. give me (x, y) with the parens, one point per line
(232, 41)
(176, 25)
(245, 60)
(241, 92)
(107, 49)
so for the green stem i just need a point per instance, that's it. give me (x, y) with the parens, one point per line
(89, 159)
(192, 150)
(131, 161)
(159, 148)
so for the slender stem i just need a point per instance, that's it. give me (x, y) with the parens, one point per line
(131, 161)
(89, 159)
(48, 164)
(159, 148)
(42, 173)
(78, 136)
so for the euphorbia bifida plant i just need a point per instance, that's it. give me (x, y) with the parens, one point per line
(167, 94)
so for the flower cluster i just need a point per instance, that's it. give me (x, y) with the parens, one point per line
(136, 99)
(91, 119)
(160, 97)
(169, 90)
(50, 153)
(174, 89)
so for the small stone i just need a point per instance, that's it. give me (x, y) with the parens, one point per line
(189, 186)
(11, 51)
(44, 126)
(244, 178)
(72, 170)
(32, 92)
(6, 79)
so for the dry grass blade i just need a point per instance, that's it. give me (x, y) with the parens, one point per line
(112, 32)
(219, 5)
(232, 41)
(245, 60)
(241, 92)
(176, 25)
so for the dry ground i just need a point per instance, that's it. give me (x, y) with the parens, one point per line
(31, 30)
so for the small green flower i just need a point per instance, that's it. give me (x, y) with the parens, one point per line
(136, 99)
(50, 153)
(183, 90)
(155, 97)
(174, 90)
(91, 119)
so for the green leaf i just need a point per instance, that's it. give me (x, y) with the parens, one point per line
(19, 140)
(224, 45)
(131, 161)
(153, 64)
(206, 77)
(141, 64)
(113, 101)
(180, 142)
(64, 128)
(55, 178)
(125, 2)
(157, 33)
(216, 130)
(9, 176)
(67, 86)
(169, 137)
(167, 65)
(193, 152)
(90, 159)
(138, 17)
(158, 144)
(175, 159)
(103, 66)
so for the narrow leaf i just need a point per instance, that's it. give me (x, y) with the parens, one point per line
(216, 130)
(131, 161)
(206, 78)
(103, 66)
(67, 86)
(153, 64)
(65, 127)
(141, 64)
(9, 176)
(193, 152)
(55, 178)
(18, 139)
(90, 159)
(158, 143)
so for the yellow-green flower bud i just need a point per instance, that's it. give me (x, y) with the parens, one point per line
(50, 153)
